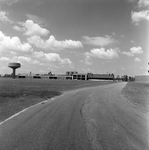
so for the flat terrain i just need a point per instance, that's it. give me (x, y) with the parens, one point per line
(18, 94)
(92, 118)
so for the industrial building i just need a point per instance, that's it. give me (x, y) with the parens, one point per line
(60, 76)
(70, 75)
(100, 76)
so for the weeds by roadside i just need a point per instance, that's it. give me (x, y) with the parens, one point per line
(138, 94)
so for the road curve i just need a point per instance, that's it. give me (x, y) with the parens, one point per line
(95, 118)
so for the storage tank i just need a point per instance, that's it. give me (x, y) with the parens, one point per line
(14, 66)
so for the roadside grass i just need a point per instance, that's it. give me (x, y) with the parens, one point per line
(138, 94)
(18, 94)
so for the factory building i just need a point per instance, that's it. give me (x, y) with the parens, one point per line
(76, 76)
(60, 76)
(34, 76)
(70, 75)
(24, 75)
(79, 77)
(100, 76)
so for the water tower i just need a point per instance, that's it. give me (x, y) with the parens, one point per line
(14, 66)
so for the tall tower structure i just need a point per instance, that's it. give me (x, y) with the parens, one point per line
(14, 66)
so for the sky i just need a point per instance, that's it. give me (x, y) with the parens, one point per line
(88, 36)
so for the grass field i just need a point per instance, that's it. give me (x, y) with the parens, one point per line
(18, 94)
(137, 94)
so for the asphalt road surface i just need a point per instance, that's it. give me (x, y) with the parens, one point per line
(95, 118)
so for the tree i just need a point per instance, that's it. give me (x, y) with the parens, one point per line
(50, 73)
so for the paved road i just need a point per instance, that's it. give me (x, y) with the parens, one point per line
(97, 118)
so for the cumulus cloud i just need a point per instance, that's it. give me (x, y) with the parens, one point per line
(87, 60)
(138, 16)
(99, 41)
(102, 53)
(128, 53)
(35, 31)
(143, 3)
(133, 51)
(30, 28)
(56, 57)
(4, 17)
(13, 43)
(137, 59)
(22, 59)
(17, 28)
(52, 57)
(36, 19)
(5, 59)
(141, 15)
(136, 50)
(53, 44)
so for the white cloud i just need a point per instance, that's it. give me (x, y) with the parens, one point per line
(17, 28)
(4, 70)
(128, 53)
(39, 54)
(35, 32)
(53, 44)
(5, 59)
(4, 17)
(87, 60)
(133, 51)
(136, 50)
(132, 41)
(143, 3)
(138, 16)
(36, 19)
(137, 59)
(32, 28)
(141, 15)
(37, 62)
(22, 59)
(14, 43)
(13, 53)
(99, 41)
(56, 57)
(52, 57)
(102, 53)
